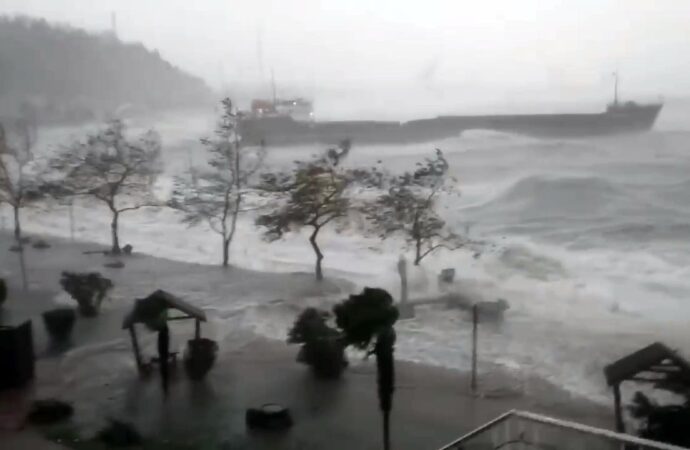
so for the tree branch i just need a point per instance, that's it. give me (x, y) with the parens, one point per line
(144, 205)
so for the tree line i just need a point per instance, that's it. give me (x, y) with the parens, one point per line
(59, 73)
(119, 170)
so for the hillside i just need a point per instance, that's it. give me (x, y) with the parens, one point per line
(63, 74)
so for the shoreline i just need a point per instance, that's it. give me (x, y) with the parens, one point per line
(432, 397)
(165, 269)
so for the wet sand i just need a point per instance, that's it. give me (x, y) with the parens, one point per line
(431, 405)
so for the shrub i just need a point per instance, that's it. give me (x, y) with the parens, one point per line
(311, 325)
(119, 434)
(663, 423)
(44, 412)
(322, 347)
(88, 289)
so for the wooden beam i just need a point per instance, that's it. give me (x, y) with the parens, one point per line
(197, 329)
(665, 369)
(620, 426)
(170, 319)
(135, 345)
(646, 380)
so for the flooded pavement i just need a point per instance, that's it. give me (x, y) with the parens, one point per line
(97, 372)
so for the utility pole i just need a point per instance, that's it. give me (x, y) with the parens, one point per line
(615, 88)
(71, 220)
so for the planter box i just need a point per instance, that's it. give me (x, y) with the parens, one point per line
(59, 323)
(16, 355)
(200, 357)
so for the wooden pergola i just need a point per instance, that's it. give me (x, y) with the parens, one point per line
(163, 301)
(655, 364)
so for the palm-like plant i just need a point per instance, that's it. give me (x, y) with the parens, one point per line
(366, 321)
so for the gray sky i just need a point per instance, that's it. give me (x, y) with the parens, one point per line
(543, 48)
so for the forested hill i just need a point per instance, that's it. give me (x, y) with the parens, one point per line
(61, 74)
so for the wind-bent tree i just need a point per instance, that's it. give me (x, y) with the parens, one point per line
(367, 321)
(113, 169)
(217, 195)
(409, 208)
(19, 176)
(313, 195)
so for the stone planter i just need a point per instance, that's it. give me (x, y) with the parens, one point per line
(199, 357)
(59, 323)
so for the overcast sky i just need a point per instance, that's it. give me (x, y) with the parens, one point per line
(509, 46)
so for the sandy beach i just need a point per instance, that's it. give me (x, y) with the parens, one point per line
(97, 373)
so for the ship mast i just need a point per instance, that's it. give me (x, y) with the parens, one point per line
(113, 24)
(273, 88)
(615, 88)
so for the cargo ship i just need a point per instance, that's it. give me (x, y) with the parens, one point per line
(291, 122)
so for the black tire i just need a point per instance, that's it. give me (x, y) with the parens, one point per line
(269, 416)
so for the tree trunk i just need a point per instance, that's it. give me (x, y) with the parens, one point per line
(418, 252)
(114, 230)
(385, 365)
(233, 227)
(22, 267)
(402, 270)
(17, 226)
(319, 255)
(226, 250)
(386, 431)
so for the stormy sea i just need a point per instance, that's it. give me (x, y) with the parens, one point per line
(587, 239)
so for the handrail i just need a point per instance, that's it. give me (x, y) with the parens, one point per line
(481, 429)
(564, 424)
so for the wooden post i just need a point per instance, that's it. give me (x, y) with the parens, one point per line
(475, 319)
(402, 270)
(22, 266)
(71, 221)
(197, 329)
(620, 426)
(135, 345)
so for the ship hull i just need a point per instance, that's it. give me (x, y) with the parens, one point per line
(281, 131)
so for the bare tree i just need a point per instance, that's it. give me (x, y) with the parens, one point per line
(314, 194)
(217, 195)
(409, 208)
(113, 169)
(19, 175)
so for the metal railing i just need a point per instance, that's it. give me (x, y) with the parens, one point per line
(522, 430)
